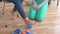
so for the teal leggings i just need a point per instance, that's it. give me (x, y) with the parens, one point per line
(38, 15)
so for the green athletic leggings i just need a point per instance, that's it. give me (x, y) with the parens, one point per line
(38, 15)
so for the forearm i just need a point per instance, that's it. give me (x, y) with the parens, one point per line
(34, 2)
(40, 5)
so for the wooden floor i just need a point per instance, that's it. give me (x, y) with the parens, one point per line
(50, 25)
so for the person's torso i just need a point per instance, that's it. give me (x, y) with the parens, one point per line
(38, 1)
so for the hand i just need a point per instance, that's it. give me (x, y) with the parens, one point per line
(38, 7)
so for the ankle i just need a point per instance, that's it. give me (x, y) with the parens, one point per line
(26, 18)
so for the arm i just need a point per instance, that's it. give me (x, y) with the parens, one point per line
(42, 4)
(34, 2)
(35, 5)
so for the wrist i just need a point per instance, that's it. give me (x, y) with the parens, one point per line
(39, 6)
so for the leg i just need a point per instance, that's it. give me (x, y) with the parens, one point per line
(41, 13)
(13, 12)
(32, 12)
(14, 9)
(21, 12)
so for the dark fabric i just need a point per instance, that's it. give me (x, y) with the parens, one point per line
(0, 0)
(18, 7)
(49, 1)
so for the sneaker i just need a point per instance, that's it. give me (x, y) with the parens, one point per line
(17, 31)
(30, 26)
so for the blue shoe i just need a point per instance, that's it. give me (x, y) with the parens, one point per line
(29, 32)
(30, 26)
(17, 31)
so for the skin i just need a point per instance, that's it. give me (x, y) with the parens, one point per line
(40, 5)
(27, 20)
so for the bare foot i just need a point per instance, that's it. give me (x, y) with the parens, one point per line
(28, 21)
(13, 15)
(34, 22)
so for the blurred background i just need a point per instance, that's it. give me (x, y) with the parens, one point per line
(51, 24)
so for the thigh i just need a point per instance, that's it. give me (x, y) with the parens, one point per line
(32, 12)
(21, 1)
(41, 13)
(20, 9)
